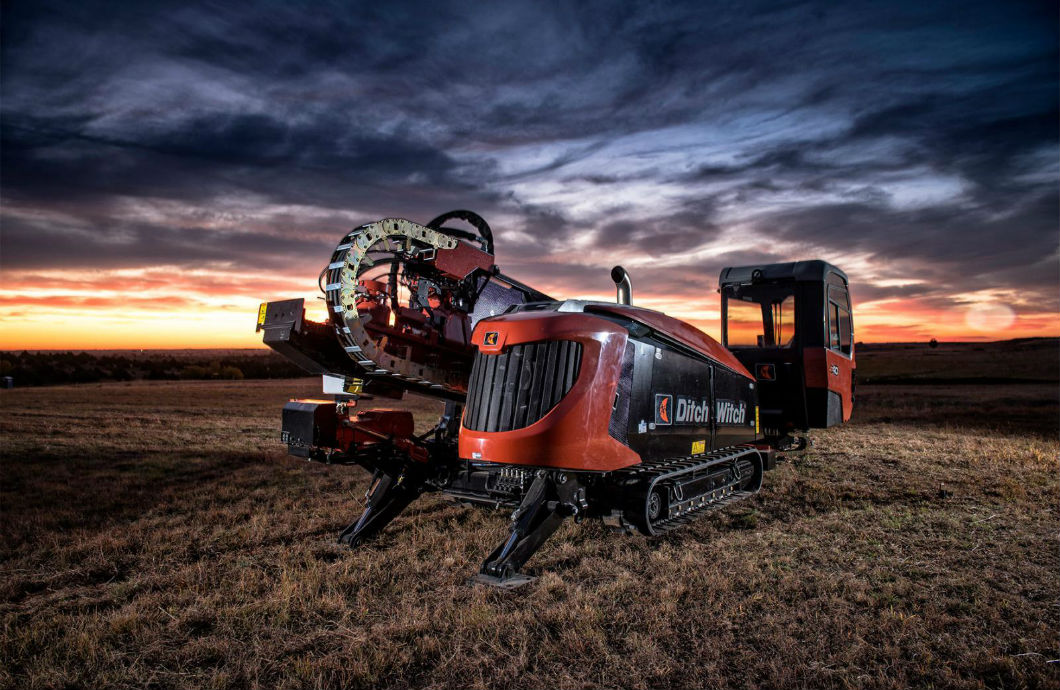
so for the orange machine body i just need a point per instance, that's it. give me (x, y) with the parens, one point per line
(598, 387)
(573, 434)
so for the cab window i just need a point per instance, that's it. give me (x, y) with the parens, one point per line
(784, 322)
(840, 328)
(744, 324)
(760, 317)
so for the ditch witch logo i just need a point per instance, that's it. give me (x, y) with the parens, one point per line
(696, 412)
(731, 413)
(687, 410)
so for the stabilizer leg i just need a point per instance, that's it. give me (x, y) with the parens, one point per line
(387, 497)
(551, 498)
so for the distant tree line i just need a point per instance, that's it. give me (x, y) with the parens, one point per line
(50, 368)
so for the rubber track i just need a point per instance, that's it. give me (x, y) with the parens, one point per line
(665, 472)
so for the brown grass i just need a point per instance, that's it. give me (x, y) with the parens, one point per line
(155, 534)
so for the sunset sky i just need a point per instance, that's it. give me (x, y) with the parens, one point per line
(167, 167)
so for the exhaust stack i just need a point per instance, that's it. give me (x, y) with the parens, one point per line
(623, 286)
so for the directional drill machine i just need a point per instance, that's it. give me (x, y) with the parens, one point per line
(555, 408)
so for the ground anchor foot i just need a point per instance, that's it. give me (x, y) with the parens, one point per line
(551, 498)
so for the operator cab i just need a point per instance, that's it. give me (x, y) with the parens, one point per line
(790, 325)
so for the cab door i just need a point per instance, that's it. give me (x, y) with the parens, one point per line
(830, 370)
(760, 327)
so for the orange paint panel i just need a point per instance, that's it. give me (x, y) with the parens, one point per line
(828, 369)
(574, 434)
(462, 260)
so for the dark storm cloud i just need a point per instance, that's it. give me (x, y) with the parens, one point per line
(982, 135)
(207, 156)
(923, 135)
(687, 228)
(32, 244)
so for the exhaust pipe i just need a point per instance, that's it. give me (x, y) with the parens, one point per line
(623, 286)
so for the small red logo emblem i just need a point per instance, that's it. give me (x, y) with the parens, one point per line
(491, 338)
(663, 402)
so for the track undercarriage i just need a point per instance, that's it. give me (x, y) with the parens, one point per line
(650, 498)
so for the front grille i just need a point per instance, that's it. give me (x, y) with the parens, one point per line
(518, 387)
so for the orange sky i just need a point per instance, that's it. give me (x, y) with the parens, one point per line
(159, 308)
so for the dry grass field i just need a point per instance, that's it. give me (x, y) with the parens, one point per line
(1024, 360)
(156, 535)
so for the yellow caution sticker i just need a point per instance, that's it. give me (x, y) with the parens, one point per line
(756, 419)
(261, 313)
(354, 386)
(699, 447)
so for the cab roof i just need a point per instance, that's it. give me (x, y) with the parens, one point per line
(815, 271)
